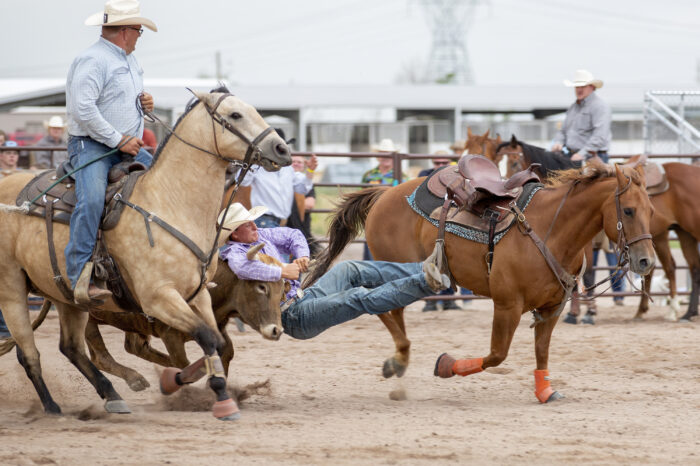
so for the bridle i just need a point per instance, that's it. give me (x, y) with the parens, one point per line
(565, 279)
(252, 157)
(253, 152)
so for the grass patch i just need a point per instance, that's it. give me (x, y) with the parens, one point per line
(326, 198)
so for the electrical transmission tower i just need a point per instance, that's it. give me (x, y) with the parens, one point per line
(448, 21)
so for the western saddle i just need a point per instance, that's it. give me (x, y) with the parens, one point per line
(480, 197)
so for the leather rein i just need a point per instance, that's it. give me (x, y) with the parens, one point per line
(252, 157)
(567, 280)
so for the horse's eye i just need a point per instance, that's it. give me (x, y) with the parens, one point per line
(236, 116)
(628, 211)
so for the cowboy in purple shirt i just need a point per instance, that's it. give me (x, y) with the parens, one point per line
(345, 292)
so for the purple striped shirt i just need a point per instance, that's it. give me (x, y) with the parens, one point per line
(278, 241)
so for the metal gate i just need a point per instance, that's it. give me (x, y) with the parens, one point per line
(671, 122)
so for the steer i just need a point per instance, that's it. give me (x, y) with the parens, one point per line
(257, 303)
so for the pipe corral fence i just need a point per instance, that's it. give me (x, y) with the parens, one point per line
(398, 158)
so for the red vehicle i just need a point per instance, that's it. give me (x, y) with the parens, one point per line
(25, 139)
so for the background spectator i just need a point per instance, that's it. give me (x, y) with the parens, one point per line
(3, 137)
(9, 155)
(55, 130)
(303, 204)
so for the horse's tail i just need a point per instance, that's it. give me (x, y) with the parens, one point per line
(348, 220)
(9, 343)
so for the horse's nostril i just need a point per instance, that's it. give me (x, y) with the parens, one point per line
(282, 149)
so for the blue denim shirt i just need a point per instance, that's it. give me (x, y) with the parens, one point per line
(101, 90)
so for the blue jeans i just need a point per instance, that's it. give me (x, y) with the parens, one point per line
(618, 280)
(353, 288)
(267, 221)
(90, 188)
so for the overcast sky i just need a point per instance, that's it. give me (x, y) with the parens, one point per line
(370, 41)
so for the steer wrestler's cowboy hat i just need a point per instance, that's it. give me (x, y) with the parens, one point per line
(583, 78)
(120, 13)
(237, 215)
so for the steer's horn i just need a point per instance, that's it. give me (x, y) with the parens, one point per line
(253, 252)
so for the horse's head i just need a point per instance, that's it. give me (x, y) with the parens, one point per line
(238, 130)
(514, 152)
(482, 145)
(626, 218)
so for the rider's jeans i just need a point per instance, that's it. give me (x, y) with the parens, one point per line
(353, 288)
(90, 188)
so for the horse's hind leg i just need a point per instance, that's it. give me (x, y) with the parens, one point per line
(103, 360)
(543, 334)
(140, 345)
(689, 246)
(13, 302)
(397, 364)
(73, 322)
(663, 250)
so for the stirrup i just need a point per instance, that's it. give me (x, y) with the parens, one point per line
(81, 290)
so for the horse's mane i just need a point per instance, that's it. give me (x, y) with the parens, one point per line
(549, 161)
(190, 105)
(592, 172)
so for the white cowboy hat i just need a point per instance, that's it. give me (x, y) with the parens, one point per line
(237, 215)
(120, 13)
(583, 78)
(459, 144)
(55, 122)
(385, 145)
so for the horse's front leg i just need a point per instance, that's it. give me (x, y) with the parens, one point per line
(543, 334)
(506, 317)
(397, 364)
(170, 307)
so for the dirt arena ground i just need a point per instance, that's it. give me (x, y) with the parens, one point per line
(632, 397)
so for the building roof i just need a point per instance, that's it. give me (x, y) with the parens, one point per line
(172, 94)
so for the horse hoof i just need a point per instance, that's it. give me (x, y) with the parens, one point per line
(117, 407)
(138, 384)
(168, 384)
(588, 319)
(393, 367)
(443, 366)
(226, 410)
(555, 396)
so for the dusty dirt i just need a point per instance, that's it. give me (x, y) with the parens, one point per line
(632, 397)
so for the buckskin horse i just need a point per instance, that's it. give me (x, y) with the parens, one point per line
(182, 189)
(575, 207)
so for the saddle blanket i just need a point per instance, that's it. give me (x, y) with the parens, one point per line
(424, 203)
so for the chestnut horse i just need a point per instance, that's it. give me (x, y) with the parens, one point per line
(520, 279)
(674, 209)
(482, 145)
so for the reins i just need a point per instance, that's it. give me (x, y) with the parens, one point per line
(566, 280)
(252, 157)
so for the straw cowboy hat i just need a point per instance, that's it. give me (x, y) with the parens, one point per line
(237, 215)
(459, 144)
(55, 122)
(583, 78)
(385, 145)
(120, 13)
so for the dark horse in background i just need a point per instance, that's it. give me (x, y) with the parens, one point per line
(675, 209)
